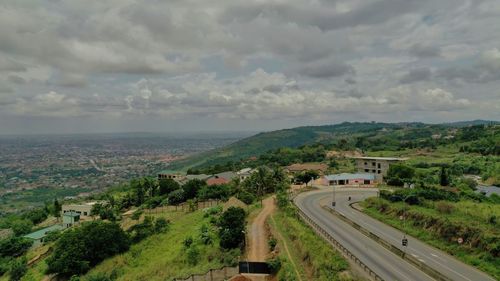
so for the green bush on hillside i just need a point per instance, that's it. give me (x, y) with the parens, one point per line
(79, 249)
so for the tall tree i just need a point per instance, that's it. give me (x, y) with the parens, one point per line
(57, 208)
(443, 177)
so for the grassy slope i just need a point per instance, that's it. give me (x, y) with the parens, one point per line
(158, 257)
(465, 213)
(163, 256)
(313, 257)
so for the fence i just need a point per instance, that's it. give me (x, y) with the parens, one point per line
(220, 274)
(184, 207)
(254, 267)
(344, 250)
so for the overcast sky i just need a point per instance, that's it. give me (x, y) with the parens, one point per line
(125, 65)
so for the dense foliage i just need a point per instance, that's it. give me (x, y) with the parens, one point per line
(232, 228)
(79, 249)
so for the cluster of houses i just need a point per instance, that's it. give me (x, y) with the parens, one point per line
(370, 171)
(216, 179)
(72, 214)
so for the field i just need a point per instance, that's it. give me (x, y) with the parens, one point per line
(441, 223)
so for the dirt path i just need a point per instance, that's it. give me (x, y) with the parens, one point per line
(257, 234)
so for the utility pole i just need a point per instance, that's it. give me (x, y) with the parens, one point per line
(334, 201)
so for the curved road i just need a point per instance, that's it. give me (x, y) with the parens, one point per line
(388, 265)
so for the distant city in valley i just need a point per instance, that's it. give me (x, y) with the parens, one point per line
(34, 169)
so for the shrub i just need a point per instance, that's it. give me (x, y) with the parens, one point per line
(272, 243)
(188, 242)
(274, 265)
(18, 268)
(193, 255)
(161, 225)
(246, 197)
(175, 197)
(444, 207)
(136, 215)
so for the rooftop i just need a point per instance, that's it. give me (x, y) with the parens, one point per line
(39, 234)
(307, 166)
(170, 172)
(382, 158)
(347, 176)
(71, 214)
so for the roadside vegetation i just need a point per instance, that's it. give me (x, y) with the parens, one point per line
(311, 257)
(462, 224)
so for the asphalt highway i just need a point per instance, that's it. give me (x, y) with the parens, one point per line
(382, 261)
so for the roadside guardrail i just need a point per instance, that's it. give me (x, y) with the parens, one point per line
(332, 240)
(421, 265)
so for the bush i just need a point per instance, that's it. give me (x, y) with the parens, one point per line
(188, 242)
(246, 197)
(79, 249)
(274, 265)
(175, 197)
(18, 268)
(232, 226)
(193, 255)
(272, 243)
(14, 246)
(161, 225)
(444, 207)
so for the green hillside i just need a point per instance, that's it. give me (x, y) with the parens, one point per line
(388, 135)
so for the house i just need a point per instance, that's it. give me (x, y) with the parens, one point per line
(299, 168)
(376, 165)
(349, 179)
(245, 173)
(39, 235)
(221, 178)
(83, 209)
(169, 174)
(70, 219)
(215, 180)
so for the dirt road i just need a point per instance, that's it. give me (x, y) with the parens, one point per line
(257, 233)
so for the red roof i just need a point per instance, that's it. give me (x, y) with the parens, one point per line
(216, 181)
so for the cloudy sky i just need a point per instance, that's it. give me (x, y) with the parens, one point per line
(126, 65)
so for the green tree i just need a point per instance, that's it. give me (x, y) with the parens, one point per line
(79, 249)
(192, 187)
(14, 246)
(21, 226)
(443, 177)
(18, 268)
(175, 197)
(139, 192)
(398, 174)
(307, 176)
(57, 208)
(231, 227)
(167, 186)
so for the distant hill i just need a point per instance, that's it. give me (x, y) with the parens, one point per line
(260, 143)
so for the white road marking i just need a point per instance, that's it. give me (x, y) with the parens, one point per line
(434, 255)
(416, 256)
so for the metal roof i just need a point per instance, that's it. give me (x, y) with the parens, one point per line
(39, 234)
(71, 214)
(381, 158)
(347, 176)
